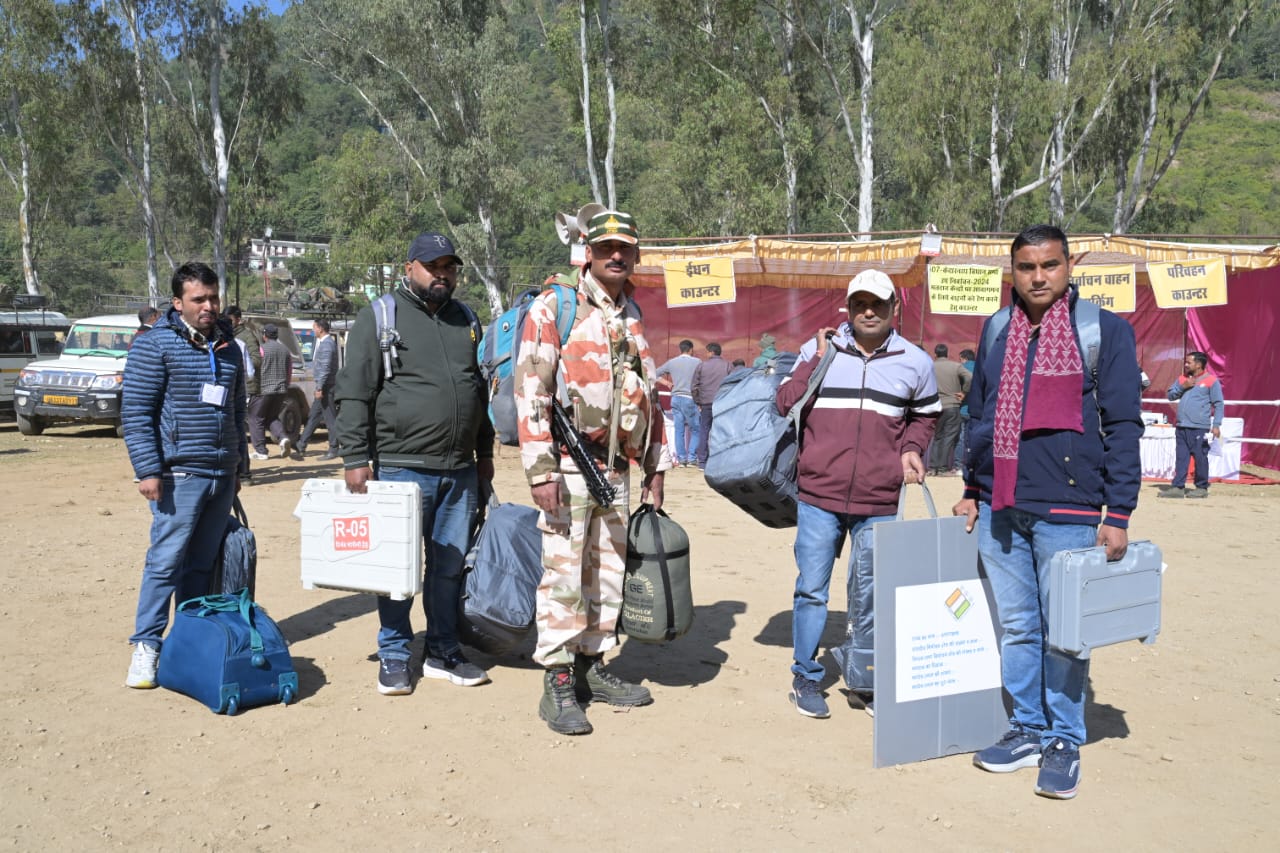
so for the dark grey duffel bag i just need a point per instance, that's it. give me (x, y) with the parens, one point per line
(753, 450)
(503, 569)
(657, 603)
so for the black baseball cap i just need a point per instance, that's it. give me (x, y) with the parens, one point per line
(430, 246)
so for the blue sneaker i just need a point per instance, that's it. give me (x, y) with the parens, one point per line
(807, 696)
(393, 677)
(1059, 771)
(1018, 748)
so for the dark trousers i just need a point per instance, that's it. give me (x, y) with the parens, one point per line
(322, 408)
(962, 445)
(264, 415)
(1190, 443)
(945, 436)
(704, 434)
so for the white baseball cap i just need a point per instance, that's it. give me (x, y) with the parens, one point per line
(874, 282)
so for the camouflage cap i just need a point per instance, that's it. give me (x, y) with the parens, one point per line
(613, 225)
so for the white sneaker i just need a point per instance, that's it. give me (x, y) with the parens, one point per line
(285, 444)
(255, 455)
(142, 669)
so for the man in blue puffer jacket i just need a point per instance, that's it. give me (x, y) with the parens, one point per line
(183, 410)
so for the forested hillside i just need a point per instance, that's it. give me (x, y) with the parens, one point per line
(137, 134)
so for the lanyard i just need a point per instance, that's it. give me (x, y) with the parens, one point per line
(213, 364)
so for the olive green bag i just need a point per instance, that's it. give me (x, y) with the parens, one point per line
(657, 604)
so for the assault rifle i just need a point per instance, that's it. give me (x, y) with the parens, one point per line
(567, 434)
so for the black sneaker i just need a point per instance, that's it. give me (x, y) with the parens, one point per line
(1059, 771)
(456, 668)
(1017, 749)
(393, 677)
(864, 699)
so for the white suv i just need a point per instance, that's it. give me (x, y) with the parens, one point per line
(84, 383)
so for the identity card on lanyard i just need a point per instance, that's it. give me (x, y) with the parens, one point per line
(211, 392)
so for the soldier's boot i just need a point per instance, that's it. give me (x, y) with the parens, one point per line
(559, 707)
(595, 683)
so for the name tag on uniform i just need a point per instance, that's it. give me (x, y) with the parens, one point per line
(214, 395)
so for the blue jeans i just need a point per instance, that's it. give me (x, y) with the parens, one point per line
(1046, 686)
(685, 414)
(819, 534)
(187, 525)
(1191, 444)
(448, 508)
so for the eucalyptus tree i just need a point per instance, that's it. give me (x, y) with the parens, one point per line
(755, 58)
(117, 59)
(842, 38)
(227, 95)
(1172, 80)
(34, 124)
(595, 27)
(436, 76)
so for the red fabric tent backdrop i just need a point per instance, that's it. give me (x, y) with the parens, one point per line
(1239, 337)
(1240, 340)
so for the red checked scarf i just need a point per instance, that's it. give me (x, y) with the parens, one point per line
(1053, 398)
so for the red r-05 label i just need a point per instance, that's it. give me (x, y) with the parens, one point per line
(351, 534)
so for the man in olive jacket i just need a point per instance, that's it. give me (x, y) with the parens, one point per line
(417, 412)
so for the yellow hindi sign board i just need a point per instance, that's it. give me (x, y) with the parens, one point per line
(1112, 286)
(700, 281)
(964, 289)
(1189, 284)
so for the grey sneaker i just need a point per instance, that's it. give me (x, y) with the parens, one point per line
(393, 677)
(1059, 771)
(456, 668)
(1172, 492)
(142, 667)
(1198, 493)
(807, 696)
(594, 683)
(559, 706)
(1017, 749)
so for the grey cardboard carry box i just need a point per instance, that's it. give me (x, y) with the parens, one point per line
(1095, 603)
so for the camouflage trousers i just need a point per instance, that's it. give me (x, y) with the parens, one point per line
(584, 552)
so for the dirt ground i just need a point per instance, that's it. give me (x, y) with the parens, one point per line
(1184, 736)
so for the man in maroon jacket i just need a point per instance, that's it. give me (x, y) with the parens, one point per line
(863, 435)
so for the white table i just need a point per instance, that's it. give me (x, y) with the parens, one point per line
(1159, 454)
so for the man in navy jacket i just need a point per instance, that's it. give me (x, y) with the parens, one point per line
(183, 409)
(1053, 439)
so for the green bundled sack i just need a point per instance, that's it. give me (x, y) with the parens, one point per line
(657, 604)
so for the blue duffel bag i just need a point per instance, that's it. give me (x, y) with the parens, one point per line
(225, 651)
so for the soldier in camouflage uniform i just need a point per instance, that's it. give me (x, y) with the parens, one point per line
(604, 377)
